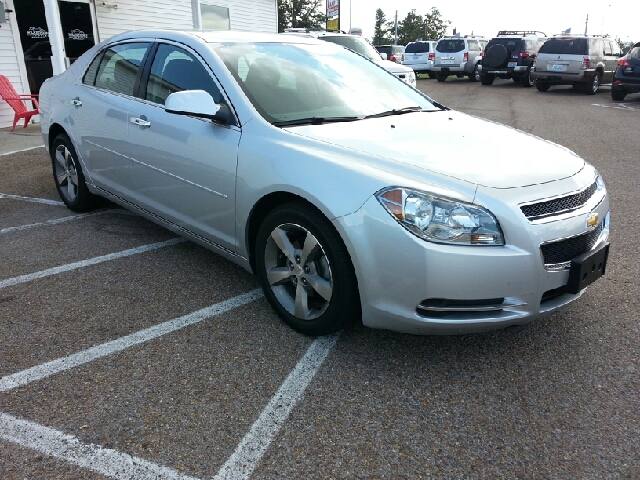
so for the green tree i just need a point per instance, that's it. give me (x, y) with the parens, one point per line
(410, 28)
(301, 14)
(382, 33)
(625, 46)
(429, 27)
(434, 26)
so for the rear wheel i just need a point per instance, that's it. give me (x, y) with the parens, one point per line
(592, 87)
(542, 86)
(441, 77)
(68, 176)
(305, 270)
(527, 80)
(618, 94)
(475, 75)
(487, 79)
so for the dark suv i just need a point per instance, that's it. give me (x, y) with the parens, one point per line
(627, 76)
(511, 55)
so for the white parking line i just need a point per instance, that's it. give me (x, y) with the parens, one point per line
(18, 151)
(105, 461)
(32, 200)
(255, 443)
(85, 263)
(66, 363)
(56, 221)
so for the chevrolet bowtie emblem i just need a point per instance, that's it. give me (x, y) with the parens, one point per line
(592, 221)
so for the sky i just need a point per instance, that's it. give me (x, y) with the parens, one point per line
(619, 19)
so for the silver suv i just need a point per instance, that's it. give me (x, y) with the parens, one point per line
(586, 62)
(458, 56)
(420, 56)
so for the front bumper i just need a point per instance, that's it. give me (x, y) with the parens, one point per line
(399, 273)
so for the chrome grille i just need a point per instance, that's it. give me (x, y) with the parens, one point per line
(557, 205)
(559, 254)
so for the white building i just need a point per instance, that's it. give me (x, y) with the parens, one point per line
(40, 38)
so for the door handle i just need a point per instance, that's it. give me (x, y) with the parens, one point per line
(140, 122)
(76, 102)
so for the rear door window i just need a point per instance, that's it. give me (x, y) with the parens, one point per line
(450, 45)
(119, 67)
(418, 47)
(566, 46)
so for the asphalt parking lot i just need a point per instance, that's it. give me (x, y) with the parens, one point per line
(128, 353)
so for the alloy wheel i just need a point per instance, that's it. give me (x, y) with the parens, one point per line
(66, 173)
(298, 271)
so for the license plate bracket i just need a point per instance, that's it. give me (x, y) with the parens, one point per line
(587, 268)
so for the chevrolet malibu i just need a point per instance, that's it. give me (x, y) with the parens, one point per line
(308, 165)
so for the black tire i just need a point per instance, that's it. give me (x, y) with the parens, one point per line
(527, 80)
(487, 79)
(441, 77)
(496, 56)
(68, 176)
(542, 86)
(591, 87)
(432, 75)
(296, 283)
(618, 95)
(475, 75)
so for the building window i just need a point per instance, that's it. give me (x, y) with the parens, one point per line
(213, 17)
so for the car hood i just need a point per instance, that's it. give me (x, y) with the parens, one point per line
(454, 144)
(393, 67)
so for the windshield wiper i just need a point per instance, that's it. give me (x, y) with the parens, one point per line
(314, 121)
(398, 111)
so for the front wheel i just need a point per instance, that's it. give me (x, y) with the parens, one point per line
(542, 86)
(305, 270)
(68, 176)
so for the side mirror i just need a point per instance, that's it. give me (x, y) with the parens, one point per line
(384, 56)
(197, 103)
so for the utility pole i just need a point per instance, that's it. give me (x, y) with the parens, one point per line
(395, 30)
(586, 23)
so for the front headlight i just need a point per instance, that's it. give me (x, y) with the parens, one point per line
(600, 183)
(441, 220)
(410, 78)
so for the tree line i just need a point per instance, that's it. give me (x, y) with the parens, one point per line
(310, 14)
(428, 27)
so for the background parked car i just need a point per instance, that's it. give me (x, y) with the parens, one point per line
(585, 62)
(510, 55)
(393, 52)
(458, 56)
(420, 56)
(359, 45)
(627, 76)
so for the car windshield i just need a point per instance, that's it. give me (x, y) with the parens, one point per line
(635, 52)
(567, 46)
(450, 46)
(357, 44)
(418, 47)
(289, 82)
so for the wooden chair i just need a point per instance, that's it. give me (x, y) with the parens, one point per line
(16, 101)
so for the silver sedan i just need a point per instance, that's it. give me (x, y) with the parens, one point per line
(351, 195)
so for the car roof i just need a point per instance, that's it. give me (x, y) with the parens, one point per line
(225, 36)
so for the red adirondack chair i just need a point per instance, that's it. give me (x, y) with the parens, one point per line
(16, 101)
